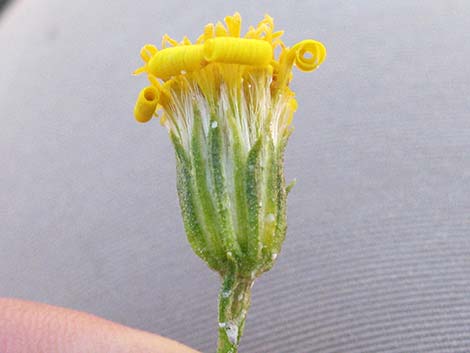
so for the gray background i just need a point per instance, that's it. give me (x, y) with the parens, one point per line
(377, 257)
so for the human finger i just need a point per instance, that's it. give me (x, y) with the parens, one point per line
(28, 327)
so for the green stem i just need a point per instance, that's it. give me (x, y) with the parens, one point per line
(234, 301)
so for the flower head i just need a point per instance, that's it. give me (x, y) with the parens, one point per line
(222, 64)
(227, 104)
(228, 107)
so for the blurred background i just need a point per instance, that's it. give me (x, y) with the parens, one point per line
(377, 255)
(2, 4)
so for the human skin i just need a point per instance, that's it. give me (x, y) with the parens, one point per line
(27, 327)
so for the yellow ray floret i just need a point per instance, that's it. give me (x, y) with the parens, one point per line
(176, 61)
(238, 51)
(307, 55)
(189, 58)
(146, 104)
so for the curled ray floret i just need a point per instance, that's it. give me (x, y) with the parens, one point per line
(221, 56)
(146, 104)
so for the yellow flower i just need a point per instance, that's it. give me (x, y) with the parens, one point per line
(222, 65)
(228, 107)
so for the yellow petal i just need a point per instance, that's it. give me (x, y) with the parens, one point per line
(309, 54)
(146, 104)
(177, 60)
(238, 51)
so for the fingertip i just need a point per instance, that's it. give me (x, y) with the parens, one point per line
(28, 327)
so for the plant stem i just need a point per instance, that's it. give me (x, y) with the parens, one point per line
(234, 301)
